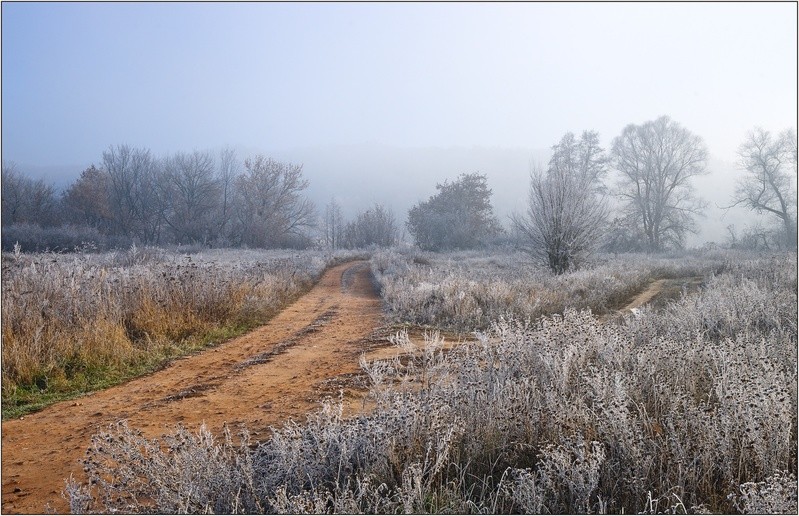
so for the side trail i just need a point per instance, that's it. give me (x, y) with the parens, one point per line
(279, 371)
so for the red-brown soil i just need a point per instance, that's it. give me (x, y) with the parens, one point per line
(277, 372)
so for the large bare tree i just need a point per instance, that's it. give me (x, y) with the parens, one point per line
(770, 182)
(656, 161)
(191, 194)
(567, 210)
(270, 206)
(136, 206)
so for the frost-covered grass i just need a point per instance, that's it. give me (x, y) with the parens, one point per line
(691, 408)
(78, 322)
(469, 290)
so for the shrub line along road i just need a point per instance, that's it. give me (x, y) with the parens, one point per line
(260, 379)
(277, 372)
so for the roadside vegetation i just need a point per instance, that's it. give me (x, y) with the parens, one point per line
(471, 290)
(688, 408)
(73, 323)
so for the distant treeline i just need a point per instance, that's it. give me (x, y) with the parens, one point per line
(199, 199)
(182, 199)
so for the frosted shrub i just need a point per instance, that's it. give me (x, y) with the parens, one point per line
(391, 460)
(776, 495)
(564, 482)
(183, 473)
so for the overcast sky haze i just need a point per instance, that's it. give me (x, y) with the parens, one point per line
(270, 78)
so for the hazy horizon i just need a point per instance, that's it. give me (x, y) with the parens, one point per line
(423, 92)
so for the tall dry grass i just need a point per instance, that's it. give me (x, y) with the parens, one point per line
(78, 321)
(692, 408)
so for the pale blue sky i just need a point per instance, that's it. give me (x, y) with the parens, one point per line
(77, 78)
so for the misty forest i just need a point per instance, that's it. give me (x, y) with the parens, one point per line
(200, 200)
(576, 358)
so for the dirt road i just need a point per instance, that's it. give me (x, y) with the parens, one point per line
(645, 297)
(274, 373)
(661, 291)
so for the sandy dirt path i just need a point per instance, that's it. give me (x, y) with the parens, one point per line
(646, 296)
(664, 289)
(652, 290)
(279, 371)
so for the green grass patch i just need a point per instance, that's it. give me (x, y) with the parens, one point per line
(81, 380)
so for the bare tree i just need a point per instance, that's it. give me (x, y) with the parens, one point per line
(770, 182)
(191, 195)
(13, 194)
(375, 226)
(270, 207)
(136, 205)
(567, 210)
(25, 200)
(226, 176)
(755, 237)
(333, 226)
(657, 160)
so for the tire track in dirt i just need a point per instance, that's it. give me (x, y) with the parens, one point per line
(652, 290)
(645, 297)
(657, 290)
(260, 379)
